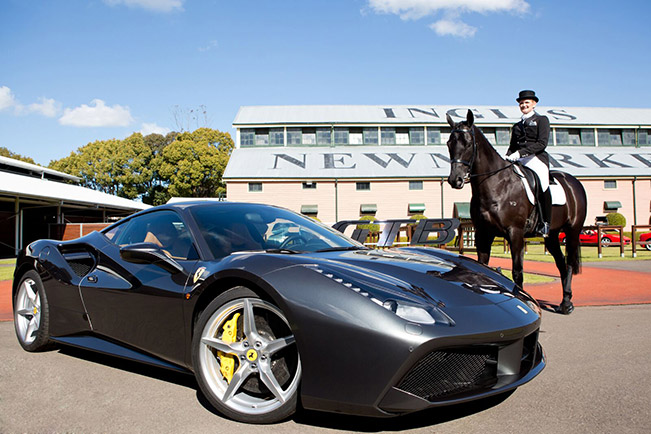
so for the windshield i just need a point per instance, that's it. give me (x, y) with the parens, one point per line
(229, 228)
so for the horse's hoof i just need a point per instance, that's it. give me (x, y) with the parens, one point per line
(565, 309)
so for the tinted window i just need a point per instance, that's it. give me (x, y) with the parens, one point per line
(163, 228)
(229, 228)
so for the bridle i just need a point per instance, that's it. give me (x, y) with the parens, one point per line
(474, 156)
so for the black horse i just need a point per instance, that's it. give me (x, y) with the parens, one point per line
(499, 205)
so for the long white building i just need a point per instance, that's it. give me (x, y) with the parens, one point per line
(341, 162)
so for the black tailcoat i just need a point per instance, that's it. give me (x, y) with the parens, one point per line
(530, 136)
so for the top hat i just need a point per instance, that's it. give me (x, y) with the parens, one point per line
(527, 94)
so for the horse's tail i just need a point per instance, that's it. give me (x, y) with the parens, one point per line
(574, 258)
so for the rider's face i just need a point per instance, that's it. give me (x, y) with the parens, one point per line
(526, 105)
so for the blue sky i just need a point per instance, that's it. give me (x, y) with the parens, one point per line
(75, 71)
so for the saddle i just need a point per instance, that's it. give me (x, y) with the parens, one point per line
(530, 183)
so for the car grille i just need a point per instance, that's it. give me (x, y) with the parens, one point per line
(81, 268)
(441, 374)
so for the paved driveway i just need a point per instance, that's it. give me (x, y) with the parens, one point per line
(597, 380)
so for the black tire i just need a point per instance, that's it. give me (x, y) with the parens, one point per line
(263, 368)
(605, 241)
(648, 245)
(32, 314)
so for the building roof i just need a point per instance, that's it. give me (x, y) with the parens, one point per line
(377, 162)
(22, 186)
(34, 169)
(420, 114)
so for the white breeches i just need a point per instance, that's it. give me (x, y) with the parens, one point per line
(541, 169)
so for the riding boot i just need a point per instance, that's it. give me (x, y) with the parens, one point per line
(545, 201)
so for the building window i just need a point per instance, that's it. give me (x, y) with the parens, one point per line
(503, 136)
(402, 136)
(445, 135)
(247, 137)
(323, 136)
(356, 136)
(388, 136)
(587, 137)
(643, 137)
(574, 136)
(277, 137)
(294, 136)
(309, 185)
(415, 185)
(628, 137)
(255, 187)
(609, 137)
(433, 136)
(363, 186)
(562, 136)
(417, 136)
(610, 183)
(261, 137)
(489, 133)
(370, 136)
(309, 136)
(341, 136)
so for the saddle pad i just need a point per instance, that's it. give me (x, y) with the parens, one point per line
(558, 194)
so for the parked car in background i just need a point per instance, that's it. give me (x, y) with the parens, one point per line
(645, 239)
(589, 236)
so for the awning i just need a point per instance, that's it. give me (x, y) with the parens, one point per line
(417, 208)
(309, 209)
(368, 208)
(461, 210)
(613, 204)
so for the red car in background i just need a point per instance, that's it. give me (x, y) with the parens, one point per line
(645, 239)
(589, 236)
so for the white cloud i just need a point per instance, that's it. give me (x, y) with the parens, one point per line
(453, 28)
(46, 106)
(97, 114)
(152, 5)
(209, 46)
(7, 99)
(153, 128)
(451, 10)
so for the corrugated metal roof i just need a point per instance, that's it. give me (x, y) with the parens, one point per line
(30, 187)
(377, 162)
(420, 114)
(36, 168)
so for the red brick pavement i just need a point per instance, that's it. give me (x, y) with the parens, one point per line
(593, 287)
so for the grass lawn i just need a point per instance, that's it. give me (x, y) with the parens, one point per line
(7, 269)
(588, 254)
(530, 278)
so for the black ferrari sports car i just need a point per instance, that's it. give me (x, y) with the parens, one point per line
(265, 307)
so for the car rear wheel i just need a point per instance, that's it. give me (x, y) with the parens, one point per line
(648, 244)
(31, 313)
(605, 241)
(245, 358)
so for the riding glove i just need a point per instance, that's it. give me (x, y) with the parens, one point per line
(514, 156)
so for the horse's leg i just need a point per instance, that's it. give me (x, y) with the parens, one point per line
(554, 247)
(483, 242)
(516, 241)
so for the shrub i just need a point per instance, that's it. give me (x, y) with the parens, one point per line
(372, 227)
(417, 217)
(616, 219)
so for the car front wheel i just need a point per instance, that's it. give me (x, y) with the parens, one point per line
(31, 313)
(648, 245)
(245, 358)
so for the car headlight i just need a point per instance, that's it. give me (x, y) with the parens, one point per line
(409, 312)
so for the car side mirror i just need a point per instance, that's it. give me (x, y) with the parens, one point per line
(149, 253)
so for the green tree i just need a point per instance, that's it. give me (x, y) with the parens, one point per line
(7, 153)
(193, 165)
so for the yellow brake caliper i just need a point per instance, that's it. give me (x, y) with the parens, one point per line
(227, 361)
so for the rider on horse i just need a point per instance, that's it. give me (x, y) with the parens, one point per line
(528, 142)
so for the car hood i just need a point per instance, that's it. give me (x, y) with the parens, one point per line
(419, 275)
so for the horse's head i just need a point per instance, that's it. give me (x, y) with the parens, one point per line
(462, 149)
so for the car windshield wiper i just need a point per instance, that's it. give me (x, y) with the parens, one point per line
(341, 249)
(288, 251)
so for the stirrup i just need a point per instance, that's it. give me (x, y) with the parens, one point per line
(544, 230)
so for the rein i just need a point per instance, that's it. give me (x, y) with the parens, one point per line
(474, 154)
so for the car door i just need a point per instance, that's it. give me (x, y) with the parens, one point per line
(141, 304)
